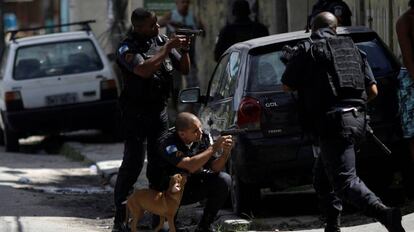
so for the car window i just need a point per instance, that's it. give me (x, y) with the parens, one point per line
(230, 76)
(43, 60)
(376, 56)
(216, 78)
(266, 71)
(3, 62)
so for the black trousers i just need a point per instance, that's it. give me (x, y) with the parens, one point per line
(335, 177)
(214, 187)
(143, 127)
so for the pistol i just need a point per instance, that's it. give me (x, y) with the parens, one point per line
(189, 32)
(234, 131)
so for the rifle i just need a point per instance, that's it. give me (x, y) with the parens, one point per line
(377, 141)
(189, 32)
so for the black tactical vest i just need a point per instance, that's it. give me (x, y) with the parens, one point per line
(146, 94)
(342, 63)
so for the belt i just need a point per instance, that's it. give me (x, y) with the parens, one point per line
(344, 110)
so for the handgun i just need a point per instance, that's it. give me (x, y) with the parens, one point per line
(234, 131)
(189, 32)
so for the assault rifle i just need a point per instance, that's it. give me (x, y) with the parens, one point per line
(370, 134)
(189, 32)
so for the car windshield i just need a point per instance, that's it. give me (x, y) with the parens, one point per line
(266, 69)
(63, 58)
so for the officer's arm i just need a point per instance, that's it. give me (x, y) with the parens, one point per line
(196, 162)
(185, 63)
(372, 91)
(148, 67)
(220, 163)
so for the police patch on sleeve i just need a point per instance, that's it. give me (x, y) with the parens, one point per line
(123, 49)
(171, 149)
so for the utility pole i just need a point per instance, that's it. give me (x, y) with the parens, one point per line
(2, 44)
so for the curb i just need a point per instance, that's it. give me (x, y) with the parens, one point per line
(70, 151)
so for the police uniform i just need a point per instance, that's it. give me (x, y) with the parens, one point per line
(337, 7)
(143, 111)
(203, 184)
(334, 102)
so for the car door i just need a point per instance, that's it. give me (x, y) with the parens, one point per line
(218, 113)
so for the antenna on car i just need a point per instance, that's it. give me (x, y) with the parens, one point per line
(84, 27)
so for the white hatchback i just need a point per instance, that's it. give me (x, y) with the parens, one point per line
(53, 83)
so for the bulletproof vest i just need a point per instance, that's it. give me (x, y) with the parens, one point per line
(146, 94)
(343, 65)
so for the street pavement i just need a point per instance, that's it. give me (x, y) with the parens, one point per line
(106, 159)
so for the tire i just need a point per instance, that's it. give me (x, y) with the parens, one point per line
(243, 196)
(11, 140)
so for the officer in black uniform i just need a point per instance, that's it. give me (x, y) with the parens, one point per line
(189, 149)
(337, 7)
(334, 88)
(146, 60)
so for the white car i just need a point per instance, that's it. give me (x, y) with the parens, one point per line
(53, 83)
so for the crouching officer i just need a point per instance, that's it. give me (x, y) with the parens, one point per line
(334, 88)
(337, 7)
(187, 148)
(146, 60)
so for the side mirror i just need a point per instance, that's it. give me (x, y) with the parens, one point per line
(190, 95)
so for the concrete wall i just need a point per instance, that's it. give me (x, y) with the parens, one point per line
(80, 10)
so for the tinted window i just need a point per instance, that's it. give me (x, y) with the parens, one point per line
(216, 79)
(265, 71)
(230, 76)
(62, 58)
(377, 58)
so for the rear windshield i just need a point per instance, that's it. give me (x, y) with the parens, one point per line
(63, 58)
(266, 69)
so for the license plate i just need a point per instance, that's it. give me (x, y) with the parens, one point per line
(61, 99)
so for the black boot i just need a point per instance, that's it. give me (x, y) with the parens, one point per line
(333, 221)
(205, 223)
(389, 217)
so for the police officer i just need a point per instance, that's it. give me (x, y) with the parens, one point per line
(334, 102)
(189, 149)
(146, 60)
(337, 7)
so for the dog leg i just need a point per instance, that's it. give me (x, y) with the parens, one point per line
(161, 224)
(136, 216)
(171, 223)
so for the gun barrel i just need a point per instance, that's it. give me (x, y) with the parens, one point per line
(381, 145)
(189, 32)
(233, 132)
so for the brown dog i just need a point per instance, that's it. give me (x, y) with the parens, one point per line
(165, 204)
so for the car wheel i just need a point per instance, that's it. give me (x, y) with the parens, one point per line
(243, 196)
(11, 140)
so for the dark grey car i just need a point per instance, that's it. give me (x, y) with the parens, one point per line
(245, 91)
